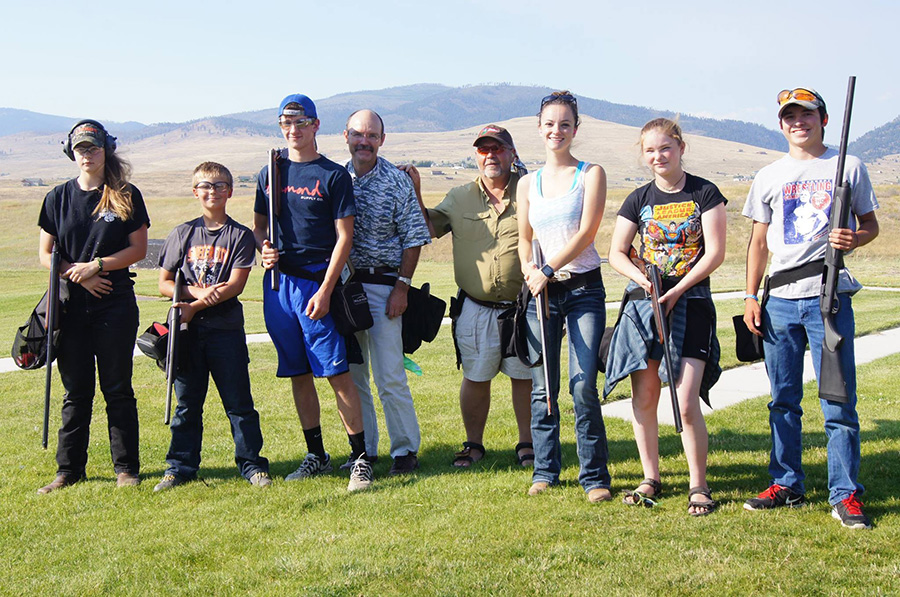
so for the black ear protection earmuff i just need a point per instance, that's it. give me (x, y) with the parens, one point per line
(109, 143)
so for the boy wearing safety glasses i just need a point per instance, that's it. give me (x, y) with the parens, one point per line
(790, 204)
(314, 234)
(215, 254)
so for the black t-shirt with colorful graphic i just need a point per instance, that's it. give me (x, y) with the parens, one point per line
(206, 258)
(669, 223)
(68, 214)
(314, 195)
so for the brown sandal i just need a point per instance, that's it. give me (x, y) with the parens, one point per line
(706, 507)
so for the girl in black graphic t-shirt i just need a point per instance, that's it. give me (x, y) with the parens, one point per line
(680, 220)
(100, 223)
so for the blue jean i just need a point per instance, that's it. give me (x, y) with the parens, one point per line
(222, 354)
(788, 325)
(583, 310)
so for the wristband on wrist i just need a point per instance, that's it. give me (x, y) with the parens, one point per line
(100, 264)
(405, 280)
(751, 296)
(547, 270)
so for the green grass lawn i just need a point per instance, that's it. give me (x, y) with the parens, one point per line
(441, 531)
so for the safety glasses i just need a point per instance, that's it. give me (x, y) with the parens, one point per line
(799, 94)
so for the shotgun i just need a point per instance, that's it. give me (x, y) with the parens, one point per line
(662, 327)
(832, 385)
(51, 323)
(543, 314)
(172, 348)
(274, 208)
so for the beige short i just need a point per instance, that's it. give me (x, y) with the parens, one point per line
(478, 336)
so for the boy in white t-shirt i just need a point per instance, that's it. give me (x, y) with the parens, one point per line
(790, 204)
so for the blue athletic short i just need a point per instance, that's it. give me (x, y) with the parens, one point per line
(304, 345)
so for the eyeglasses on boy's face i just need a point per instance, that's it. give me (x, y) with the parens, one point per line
(801, 94)
(567, 98)
(207, 187)
(300, 123)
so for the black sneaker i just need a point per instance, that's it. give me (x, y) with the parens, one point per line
(849, 512)
(775, 496)
(404, 464)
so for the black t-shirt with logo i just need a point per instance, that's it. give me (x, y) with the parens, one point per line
(669, 223)
(68, 214)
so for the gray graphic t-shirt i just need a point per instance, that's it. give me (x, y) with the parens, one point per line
(206, 258)
(795, 197)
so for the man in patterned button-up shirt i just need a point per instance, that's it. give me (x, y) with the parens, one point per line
(388, 234)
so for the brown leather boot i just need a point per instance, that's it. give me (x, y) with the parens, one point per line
(59, 482)
(127, 480)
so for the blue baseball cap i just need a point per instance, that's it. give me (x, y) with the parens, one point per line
(306, 106)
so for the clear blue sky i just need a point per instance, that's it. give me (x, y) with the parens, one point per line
(174, 61)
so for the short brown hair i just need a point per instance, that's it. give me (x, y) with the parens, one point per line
(211, 169)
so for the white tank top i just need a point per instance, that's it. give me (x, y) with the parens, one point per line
(555, 220)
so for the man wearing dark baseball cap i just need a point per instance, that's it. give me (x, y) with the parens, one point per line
(482, 217)
(790, 204)
(315, 232)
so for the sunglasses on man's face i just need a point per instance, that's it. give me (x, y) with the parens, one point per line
(490, 149)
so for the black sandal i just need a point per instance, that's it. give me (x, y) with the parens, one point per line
(640, 498)
(706, 507)
(463, 458)
(525, 459)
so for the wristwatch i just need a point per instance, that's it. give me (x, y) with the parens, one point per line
(547, 270)
(405, 280)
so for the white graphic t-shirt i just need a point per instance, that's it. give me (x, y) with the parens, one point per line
(795, 198)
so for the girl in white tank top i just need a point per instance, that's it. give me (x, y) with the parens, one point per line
(561, 206)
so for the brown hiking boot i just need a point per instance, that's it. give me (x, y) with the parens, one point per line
(59, 482)
(127, 480)
(599, 494)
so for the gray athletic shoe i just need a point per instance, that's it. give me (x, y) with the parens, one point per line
(360, 475)
(311, 466)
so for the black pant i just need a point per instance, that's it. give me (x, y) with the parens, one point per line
(104, 329)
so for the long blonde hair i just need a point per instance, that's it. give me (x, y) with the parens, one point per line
(116, 197)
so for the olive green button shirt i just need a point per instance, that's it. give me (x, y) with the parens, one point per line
(485, 243)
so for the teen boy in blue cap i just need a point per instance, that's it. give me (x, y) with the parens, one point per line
(315, 232)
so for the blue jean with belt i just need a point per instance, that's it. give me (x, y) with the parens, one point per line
(583, 310)
(222, 354)
(787, 327)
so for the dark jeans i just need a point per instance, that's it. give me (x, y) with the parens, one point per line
(103, 329)
(223, 354)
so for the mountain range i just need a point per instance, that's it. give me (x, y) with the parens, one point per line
(437, 108)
